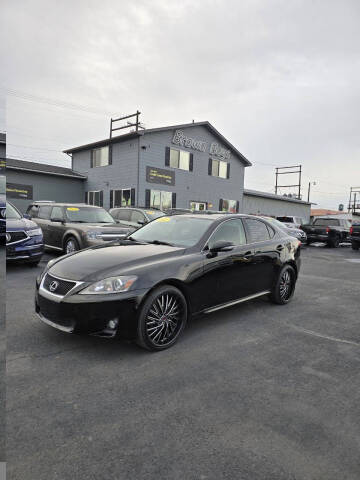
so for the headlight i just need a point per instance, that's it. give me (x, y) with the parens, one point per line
(92, 235)
(34, 232)
(109, 285)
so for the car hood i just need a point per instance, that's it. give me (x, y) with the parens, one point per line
(97, 263)
(108, 227)
(20, 224)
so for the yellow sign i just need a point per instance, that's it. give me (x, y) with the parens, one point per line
(163, 219)
(150, 212)
(73, 209)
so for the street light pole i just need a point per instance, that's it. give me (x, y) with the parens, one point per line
(310, 183)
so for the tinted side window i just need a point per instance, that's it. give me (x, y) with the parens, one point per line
(230, 231)
(271, 231)
(122, 214)
(137, 217)
(57, 212)
(44, 211)
(258, 230)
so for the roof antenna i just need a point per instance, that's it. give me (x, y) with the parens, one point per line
(193, 121)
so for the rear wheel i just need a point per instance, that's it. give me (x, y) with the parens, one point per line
(71, 245)
(285, 286)
(355, 246)
(162, 318)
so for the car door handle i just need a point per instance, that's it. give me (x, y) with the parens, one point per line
(279, 248)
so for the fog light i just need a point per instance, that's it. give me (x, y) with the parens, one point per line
(113, 324)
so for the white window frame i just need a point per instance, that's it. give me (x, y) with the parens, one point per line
(178, 160)
(94, 196)
(93, 156)
(228, 200)
(160, 207)
(113, 197)
(220, 163)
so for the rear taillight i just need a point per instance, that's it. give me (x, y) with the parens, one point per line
(327, 229)
(351, 230)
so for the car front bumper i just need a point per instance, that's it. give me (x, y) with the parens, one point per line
(91, 314)
(29, 250)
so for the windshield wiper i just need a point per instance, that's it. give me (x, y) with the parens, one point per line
(160, 242)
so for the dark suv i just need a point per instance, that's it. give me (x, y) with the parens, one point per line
(134, 217)
(71, 227)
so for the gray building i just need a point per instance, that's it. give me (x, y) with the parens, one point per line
(182, 166)
(263, 203)
(27, 181)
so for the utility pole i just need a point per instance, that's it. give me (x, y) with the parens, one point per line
(280, 172)
(309, 188)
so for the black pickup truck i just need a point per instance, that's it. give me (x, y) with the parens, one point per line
(355, 236)
(332, 231)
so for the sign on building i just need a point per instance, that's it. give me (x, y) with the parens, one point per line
(16, 190)
(159, 175)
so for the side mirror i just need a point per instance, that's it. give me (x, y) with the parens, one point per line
(27, 216)
(61, 220)
(222, 246)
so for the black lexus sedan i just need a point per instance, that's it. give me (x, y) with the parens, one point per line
(146, 286)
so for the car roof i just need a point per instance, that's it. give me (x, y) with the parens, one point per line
(56, 204)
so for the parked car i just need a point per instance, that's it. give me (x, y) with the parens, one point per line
(291, 221)
(146, 286)
(332, 231)
(2, 209)
(178, 211)
(292, 231)
(354, 236)
(24, 239)
(70, 227)
(134, 217)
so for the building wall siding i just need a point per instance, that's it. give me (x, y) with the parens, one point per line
(196, 185)
(121, 174)
(267, 206)
(149, 150)
(46, 187)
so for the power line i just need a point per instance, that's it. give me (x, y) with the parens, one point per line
(53, 102)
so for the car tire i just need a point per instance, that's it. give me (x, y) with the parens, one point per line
(334, 242)
(355, 246)
(71, 245)
(285, 286)
(162, 318)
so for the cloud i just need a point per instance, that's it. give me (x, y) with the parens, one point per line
(280, 79)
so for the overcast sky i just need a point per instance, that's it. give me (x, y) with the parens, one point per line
(279, 79)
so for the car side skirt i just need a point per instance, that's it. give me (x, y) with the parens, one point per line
(235, 302)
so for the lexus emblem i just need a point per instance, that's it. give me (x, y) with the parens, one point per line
(8, 237)
(53, 286)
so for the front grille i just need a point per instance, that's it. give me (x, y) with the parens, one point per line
(57, 286)
(16, 236)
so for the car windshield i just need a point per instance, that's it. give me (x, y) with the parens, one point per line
(152, 214)
(11, 212)
(177, 230)
(2, 184)
(276, 222)
(327, 222)
(286, 219)
(88, 215)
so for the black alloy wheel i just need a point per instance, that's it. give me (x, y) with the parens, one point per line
(355, 246)
(285, 286)
(71, 245)
(162, 318)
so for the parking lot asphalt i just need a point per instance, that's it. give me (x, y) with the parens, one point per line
(256, 391)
